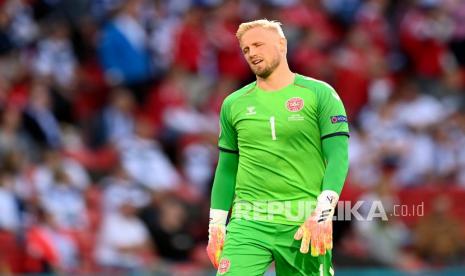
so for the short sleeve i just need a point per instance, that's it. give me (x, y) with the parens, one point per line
(332, 118)
(227, 140)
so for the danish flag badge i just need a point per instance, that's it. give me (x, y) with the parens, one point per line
(295, 104)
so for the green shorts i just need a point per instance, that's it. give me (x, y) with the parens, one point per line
(251, 246)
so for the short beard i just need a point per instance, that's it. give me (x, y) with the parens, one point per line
(265, 73)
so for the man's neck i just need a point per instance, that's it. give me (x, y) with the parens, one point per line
(280, 78)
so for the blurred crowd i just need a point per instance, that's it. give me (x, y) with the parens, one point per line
(109, 112)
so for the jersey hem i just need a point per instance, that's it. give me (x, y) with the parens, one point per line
(280, 222)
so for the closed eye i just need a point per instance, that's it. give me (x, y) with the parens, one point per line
(255, 44)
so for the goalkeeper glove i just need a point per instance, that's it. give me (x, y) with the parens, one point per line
(216, 235)
(317, 230)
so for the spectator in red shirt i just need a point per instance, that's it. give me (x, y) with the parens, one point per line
(424, 32)
(190, 41)
(310, 57)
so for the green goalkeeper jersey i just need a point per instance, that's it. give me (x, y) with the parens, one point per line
(277, 135)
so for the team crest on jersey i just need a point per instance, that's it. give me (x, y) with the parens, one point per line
(224, 265)
(295, 104)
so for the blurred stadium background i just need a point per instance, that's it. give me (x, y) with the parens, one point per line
(109, 114)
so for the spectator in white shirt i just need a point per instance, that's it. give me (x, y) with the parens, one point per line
(65, 203)
(9, 211)
(123, 241)
(118, 188)
(116, 121)
(145, 162)
(55, 56)
(43, 175)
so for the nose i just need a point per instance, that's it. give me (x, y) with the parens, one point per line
(252, 56)
(252, 53)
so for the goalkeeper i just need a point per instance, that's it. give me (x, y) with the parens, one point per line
(282, 164)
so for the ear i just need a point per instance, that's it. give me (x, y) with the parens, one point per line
(283, 45)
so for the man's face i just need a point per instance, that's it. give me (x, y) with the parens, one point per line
(263, 50)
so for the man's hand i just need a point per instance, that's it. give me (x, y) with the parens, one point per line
(216, 235)
(317, 230)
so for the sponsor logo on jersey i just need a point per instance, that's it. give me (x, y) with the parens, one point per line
(295, 104)
(224, 266)
(251, 110)
(295, 117)
(338, 119)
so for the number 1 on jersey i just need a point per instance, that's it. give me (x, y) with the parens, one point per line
(273, 131)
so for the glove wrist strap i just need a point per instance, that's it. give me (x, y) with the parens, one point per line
(327, 199)
(218, 216)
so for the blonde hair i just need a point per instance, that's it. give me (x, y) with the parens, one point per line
(263, 23)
